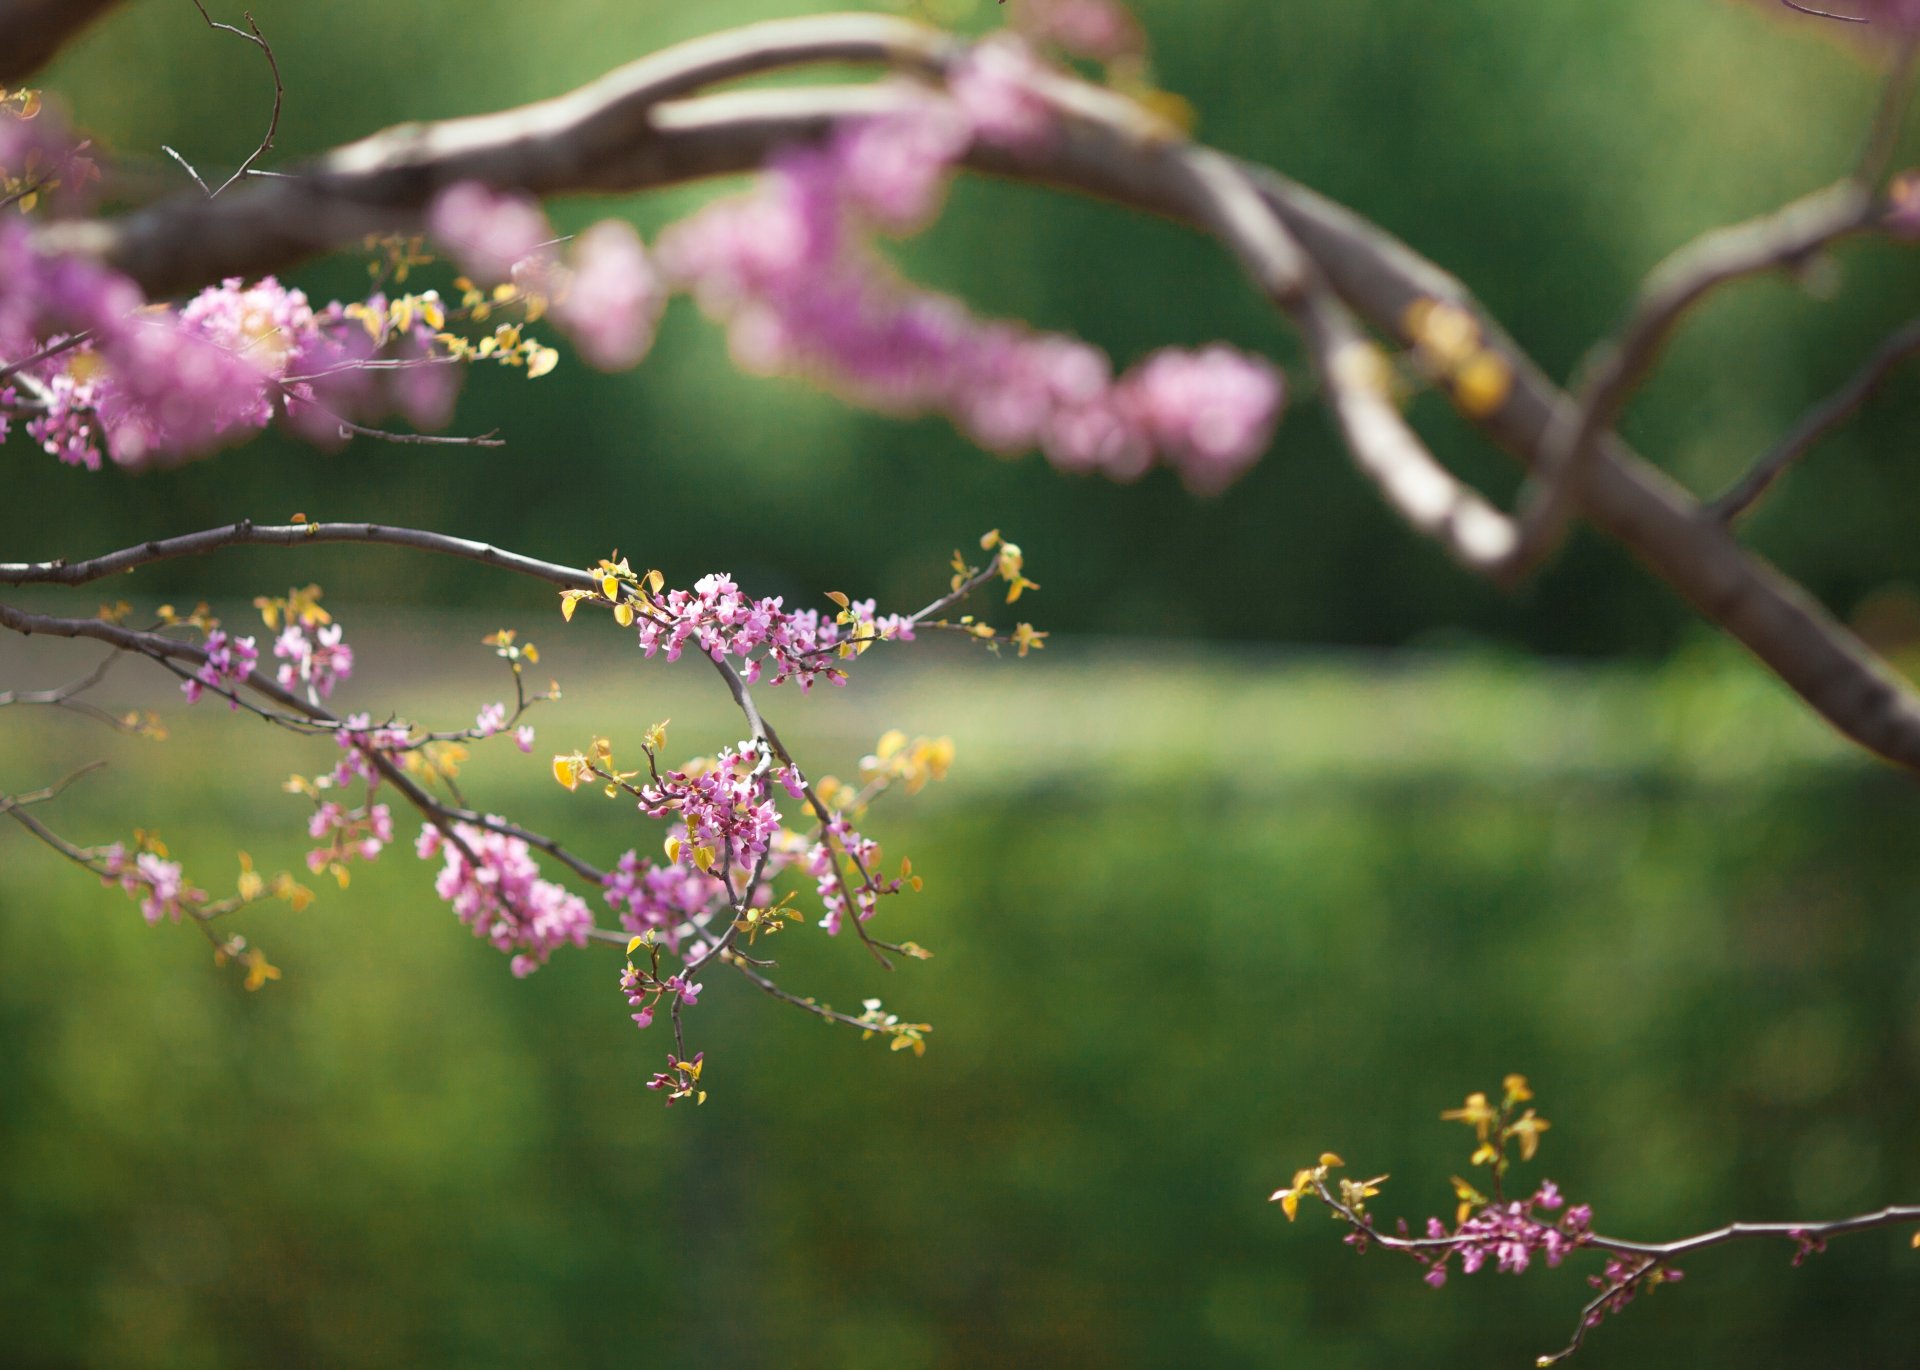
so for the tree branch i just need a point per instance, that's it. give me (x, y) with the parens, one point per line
(32, 31)
(616, 134)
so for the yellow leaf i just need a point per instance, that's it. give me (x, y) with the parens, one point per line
(541, 360)
(623, 614)
(1328, 1158)
(634, 942)
(674, 845)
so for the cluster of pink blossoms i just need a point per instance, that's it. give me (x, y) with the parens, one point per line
(792, 270)
(500, 895)
(664, 899)
(349, 833)
(149, 386)
(230, 660)
(644, 992)
(723, 807)
(314, 663)
(864, 853)
(492, 720)
(360, 739)
(722, 622)
(147, 877)
(1511, 1233)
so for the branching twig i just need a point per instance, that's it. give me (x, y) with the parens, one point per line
(253, 35)
(1784, 239)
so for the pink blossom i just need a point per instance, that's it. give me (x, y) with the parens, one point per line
(317, 662)
(500, 895)
(614, 298)
(997, 85)
(1212, 412)
(230, 661)
(486, 230)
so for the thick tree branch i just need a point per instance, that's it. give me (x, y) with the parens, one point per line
(613, 135)
(32, 31)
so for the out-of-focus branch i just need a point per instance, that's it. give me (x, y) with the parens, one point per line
(1785, 239)
(1818, 422)
(1352, 370)
(10, 802)
(629, 131)
(32, 31)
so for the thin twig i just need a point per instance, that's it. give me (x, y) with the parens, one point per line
(53, 349)
(253, 35)
(1821, 420)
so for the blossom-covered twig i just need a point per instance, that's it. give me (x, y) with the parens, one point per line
(1512, 1232)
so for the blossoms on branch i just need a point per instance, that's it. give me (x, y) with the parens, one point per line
(800, 645)
(230, 660)
(494, 886)
(613, 297)
(313, 659)
(151, 880)
(793, 271)
(1510, 1234)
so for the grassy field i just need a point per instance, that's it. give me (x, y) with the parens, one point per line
(1197, 918)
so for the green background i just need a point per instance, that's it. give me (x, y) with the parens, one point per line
(1217, 885)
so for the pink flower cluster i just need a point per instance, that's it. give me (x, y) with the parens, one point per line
(1511, 1233)
(607, 296)
(722, 622)
(349, 833)
(230, 660)
(793, 272)
(359, 739)
(492, 720)
(155, 882)
(316, 662)
(644, 993)
(724, 807)
(663, 898)
(865, 854)
(500, 895)
(151, 386)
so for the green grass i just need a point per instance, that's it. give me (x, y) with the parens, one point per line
(1194, 921)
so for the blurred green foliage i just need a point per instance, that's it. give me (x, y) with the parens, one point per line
(1193, 925)
(1197, 918)
(1547, 154)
